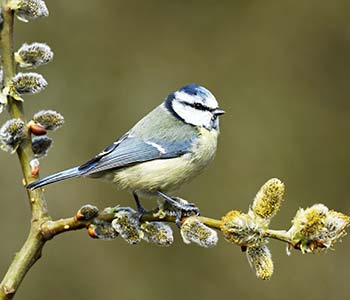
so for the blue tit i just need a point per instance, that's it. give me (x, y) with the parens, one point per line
(167, 148)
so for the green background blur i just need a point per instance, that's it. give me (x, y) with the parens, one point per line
(280, 69)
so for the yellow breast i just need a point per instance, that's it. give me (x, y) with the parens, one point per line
(169, 174)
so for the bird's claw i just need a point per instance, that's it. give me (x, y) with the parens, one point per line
(182, 208)
(178, 207)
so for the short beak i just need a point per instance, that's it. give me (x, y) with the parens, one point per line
(219, 112)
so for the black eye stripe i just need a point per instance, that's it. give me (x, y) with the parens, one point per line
(198, 106)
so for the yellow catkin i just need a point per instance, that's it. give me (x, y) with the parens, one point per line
(260, 260)
(193, 231)
(241, 229)
(308, 222)
(316, 228)
(268, 200)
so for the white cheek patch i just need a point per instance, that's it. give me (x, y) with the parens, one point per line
(191, 115)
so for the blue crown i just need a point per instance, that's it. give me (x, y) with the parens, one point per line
(191, 89)
(195, 89)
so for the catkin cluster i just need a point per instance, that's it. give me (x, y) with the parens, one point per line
(29, 56)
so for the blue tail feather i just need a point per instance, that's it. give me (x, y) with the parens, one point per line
(73, 172)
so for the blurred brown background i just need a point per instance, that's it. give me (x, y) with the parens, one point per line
(281, 71)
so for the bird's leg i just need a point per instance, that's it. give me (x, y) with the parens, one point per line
(180, 207)
(140, 209)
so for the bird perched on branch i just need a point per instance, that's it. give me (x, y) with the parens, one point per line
(168, 147)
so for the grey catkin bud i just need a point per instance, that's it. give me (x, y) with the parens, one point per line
(25, 83)
(41, 145)
(49, 119)
(193, 231)
(12, 134)
(27, 10)
(87, 212)
(102, 230)
(157, 233)
(33, 55)
(127, 225)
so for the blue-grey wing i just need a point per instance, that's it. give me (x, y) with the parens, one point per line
(130, 150)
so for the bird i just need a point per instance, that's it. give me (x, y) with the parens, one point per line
(167, 148)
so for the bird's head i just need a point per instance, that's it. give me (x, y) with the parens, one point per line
(195, 105)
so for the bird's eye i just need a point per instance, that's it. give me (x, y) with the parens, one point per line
(198, 106)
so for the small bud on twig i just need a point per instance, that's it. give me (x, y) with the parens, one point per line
(33, 55)
(49, 119)
(12, 134)
(87, 212)
(29, 9)
(193, 231)
(34, 166)
(36, 129)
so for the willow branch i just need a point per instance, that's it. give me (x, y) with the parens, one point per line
(280, 235)
(31, 250)
(50, 229)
